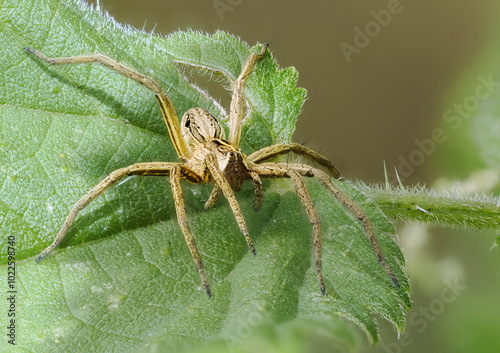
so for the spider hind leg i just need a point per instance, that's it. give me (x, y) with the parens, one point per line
(360, 215)
(296, 172)
(314, 219)
(175, 181)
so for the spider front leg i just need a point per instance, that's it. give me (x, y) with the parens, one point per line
(155, 168)
(274, 151)
(175, 181)
(144, 169)
(259, 193)
(284, 171)
(236, 109)
(212, 164)
(166, 106)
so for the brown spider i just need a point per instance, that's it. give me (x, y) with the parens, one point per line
(206, 156)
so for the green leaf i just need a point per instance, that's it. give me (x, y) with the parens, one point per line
(123, 279)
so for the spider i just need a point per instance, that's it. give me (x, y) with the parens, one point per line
(207, 156)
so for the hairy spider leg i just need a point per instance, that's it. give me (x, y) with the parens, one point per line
(259, 193)
(155, 168)
(284, 170)
(212, 165)
(175, 182)
(314, 219)
(235, 120)
(268, 153)
(144, 169)
(214, 195)
(166, 106)
(236, 109)
(359, 214)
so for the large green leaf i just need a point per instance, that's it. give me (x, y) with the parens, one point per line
(123, 278)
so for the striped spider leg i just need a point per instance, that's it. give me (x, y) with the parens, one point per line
(207, 156)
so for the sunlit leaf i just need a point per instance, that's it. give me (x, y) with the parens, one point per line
(123, 279)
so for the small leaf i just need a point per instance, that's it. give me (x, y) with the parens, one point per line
(123, 278)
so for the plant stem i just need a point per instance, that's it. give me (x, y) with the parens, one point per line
(438, 208)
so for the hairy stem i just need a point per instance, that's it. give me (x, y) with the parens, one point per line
(439, 208)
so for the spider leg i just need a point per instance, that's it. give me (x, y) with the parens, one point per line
(259, 194)
(175, 181)
(167, 109)
(314, 219)
(359, 214)
(271, 152)
(213, 197)
(212, 164)
(282, 170)
(158, 168)
(236, 109)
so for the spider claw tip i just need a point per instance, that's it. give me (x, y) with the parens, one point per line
(395, 281)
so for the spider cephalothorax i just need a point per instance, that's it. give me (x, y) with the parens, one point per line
(204, 135)
(207, 156)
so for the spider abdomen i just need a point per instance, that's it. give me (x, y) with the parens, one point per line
(236, 171)
(232, 162)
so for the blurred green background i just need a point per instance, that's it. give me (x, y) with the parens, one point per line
(375, 97)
